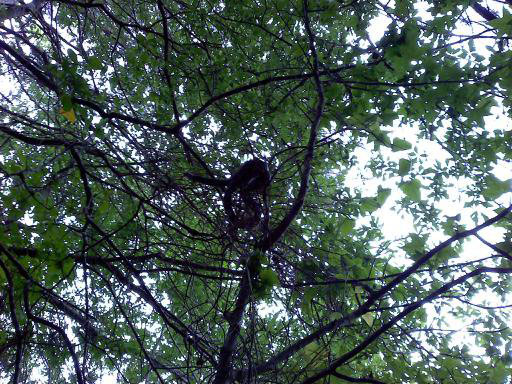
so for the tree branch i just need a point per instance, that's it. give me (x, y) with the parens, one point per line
(410, 308)
(278, 231)
(292, 349)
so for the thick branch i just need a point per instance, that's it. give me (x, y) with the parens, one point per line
(235, 319)
(368, 380)
(486, 13)
(15, 9)
(30, 140)
(39, 76)
(224, 364)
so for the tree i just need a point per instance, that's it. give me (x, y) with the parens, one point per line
(112, 260)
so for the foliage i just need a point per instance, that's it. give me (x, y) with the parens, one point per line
(112, 262)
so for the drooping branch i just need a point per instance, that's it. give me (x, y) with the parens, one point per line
(365, 307)
(59, 330)
(149, 359)
(408, 309)
(67, 308)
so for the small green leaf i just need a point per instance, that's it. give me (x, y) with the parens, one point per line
(412, 189)
(368, 205)
(505, 246)
(95, 63)
(368, 318)
(382, 195)
(503, 24)
(67, 265)
(268, 277)
(494, 187)
(446, 254)
(415, 247)
(67, 104)
(404, 167)
(347, 225)
(309, 294)
(379, 137)
(401, 145)
(72, 55)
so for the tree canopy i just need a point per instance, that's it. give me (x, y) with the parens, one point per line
(117, 261)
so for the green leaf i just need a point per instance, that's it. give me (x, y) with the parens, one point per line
(499, 373)
(415, 247)
(95, 63)
(268, 277)
(446, 254)
(72, 55)
(368, 317)
(412, 189)
(400, 145)
(309, 294)
(379, 137)
(503, 24)
(369, 205)
(67, 104)
(404, 167)
(382, 195)
(346, 226)
(505, 246)
(494, 187)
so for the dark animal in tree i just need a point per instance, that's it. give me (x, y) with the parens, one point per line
(242, 190)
